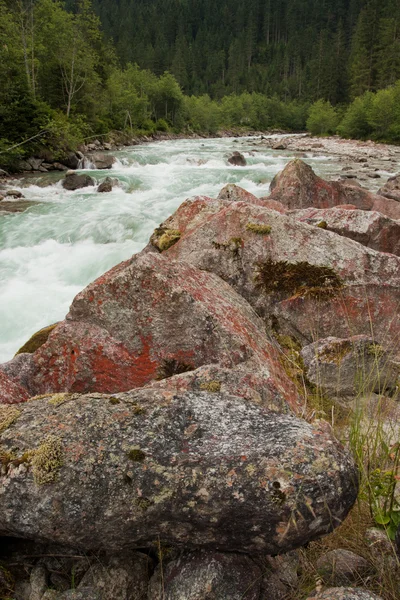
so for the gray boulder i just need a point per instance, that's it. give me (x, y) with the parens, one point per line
(237, 159)
(342, 567)
(101, 160)
(347, 367)
(196, 470)
(122, 578)
(206, 575)
(73, 181)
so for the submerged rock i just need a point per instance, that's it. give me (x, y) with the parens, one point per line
(73, 181)
(237, 159)
(107, 185)
(194, 470)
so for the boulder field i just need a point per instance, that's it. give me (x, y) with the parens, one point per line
(163, 411)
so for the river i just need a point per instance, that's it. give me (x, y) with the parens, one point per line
(54, 249)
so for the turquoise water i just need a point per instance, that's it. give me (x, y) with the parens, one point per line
(54, 249)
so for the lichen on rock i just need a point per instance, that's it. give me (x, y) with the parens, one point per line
(8, 415)
(47, 460)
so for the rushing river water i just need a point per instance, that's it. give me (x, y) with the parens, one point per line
(54, 249)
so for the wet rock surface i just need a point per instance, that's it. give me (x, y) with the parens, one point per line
(73, 181)
(237, 159)
(102, 161)
(194, 470)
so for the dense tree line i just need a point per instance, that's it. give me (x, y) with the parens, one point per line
(195, 66)
(297, 49)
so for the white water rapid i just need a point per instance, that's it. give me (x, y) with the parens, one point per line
(54, 249)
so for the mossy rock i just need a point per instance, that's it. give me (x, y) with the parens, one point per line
(38, 339)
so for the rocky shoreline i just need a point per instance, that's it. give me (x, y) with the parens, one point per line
(166, 429)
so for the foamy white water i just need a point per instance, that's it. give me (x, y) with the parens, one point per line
(54, 249)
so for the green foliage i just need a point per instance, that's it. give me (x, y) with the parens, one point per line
(323, 118)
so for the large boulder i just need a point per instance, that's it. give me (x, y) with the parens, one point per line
(297, 187)
(349, 367)
(10, 391)
(310, 282)
(150, 318)
(72, 160)
(204, 575)
(73, 181)
(369, 228)
(391, 189)
(102, 161)
(153, 468)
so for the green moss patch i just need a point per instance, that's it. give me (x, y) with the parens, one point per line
(8, 416)
(258, 228)
(234, 245)
(298, 279)
(37, 340)
(47, 460)
(163, 238)
(135, 454)
(211, 386)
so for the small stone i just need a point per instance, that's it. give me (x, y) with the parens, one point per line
(38, 581)
(342, 593)
(342, 567)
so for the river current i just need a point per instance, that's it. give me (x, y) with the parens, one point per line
(54, 249)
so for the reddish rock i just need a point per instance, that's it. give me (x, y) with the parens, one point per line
(148, 318)
(234, 193)
(272, 204)
(11, 392)
(297, 187)
(195, 211)
(369, 228)
(313, 283)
